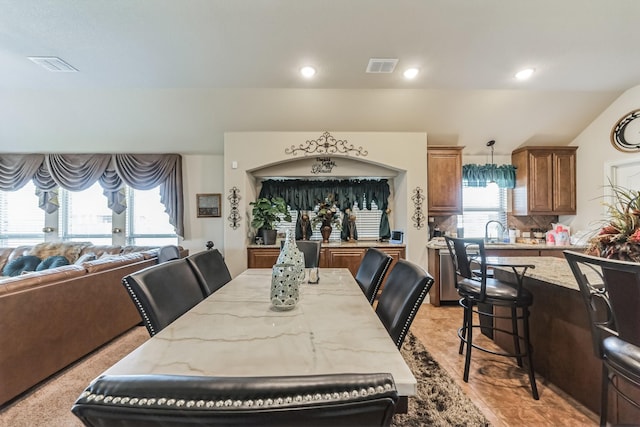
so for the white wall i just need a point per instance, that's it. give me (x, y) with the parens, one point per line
(404, 152)
(202, 174)
(594, 152)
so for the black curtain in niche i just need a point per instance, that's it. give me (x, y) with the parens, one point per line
(304, 194)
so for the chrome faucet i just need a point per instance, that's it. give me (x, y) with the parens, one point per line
(501, 231)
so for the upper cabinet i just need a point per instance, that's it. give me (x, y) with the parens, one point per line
(444, 180)
(545, 181)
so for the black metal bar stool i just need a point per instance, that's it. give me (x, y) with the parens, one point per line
(480, 290)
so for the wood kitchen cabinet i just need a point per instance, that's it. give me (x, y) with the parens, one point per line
(444, 180)
(332, 256)
(545, 181)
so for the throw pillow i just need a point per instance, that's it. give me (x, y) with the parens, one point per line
(89, 256)
(52, 262)
(20, 264)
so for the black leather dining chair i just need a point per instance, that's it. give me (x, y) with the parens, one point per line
(610, 290)
(311, 251)
(403, 294)
(371, 272)
(163, 292)
(210, 269)
(173, 400)
(480, 291)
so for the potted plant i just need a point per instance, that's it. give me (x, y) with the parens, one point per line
(266, 214)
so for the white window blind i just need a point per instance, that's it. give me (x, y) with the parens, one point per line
(21, 220)
(84, 216)
(367, 224)
(482, 204)
(147, 222)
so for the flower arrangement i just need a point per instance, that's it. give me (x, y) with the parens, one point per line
(327, 214)
(619, 238)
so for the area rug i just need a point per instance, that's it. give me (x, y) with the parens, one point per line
(439, 402)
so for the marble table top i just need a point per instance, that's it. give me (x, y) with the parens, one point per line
(236, 332)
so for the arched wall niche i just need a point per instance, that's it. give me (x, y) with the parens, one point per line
(398, 156)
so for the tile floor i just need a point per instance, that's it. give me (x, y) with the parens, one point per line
(496, 385)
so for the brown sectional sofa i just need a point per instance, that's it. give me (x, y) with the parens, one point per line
(51, 318)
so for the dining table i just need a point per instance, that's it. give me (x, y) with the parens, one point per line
(236, 332)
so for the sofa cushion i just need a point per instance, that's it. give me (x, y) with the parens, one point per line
(37, 278)
(21, 264)
(89, 256)
(102, 264)
(52, 262)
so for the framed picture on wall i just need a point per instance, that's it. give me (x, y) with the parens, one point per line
(208, 205)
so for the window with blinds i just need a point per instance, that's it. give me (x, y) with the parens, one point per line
(85, 216)
(367, 224)
(21, 220)
(482, 204)
(147, 222)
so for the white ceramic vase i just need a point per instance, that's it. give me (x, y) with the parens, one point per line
(292, 255)
(285, 289)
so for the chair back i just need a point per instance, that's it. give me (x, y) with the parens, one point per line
(405, 290)
(210, 269)
(174, 400)
(467, 251)
(610, 290)
(163, 292)
(311, 251)
(371, 272)
(587, 271)
(168, 253)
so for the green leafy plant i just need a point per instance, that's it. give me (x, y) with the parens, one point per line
(619, 237)
(267, 212)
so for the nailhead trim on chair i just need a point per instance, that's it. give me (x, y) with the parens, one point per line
(234, 404)
(414, 310)
(145, 317)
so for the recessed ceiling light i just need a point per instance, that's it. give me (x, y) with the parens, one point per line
(524, 74)
(307, 72)
(411, 73)
(53, 63)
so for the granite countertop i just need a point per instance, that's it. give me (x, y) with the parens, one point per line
(356, 244)
(551, 270)
(439, 243)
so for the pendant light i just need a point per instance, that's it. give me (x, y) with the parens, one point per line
(490, 144)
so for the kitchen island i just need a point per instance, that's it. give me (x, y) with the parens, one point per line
(560, 334)
(439, 263)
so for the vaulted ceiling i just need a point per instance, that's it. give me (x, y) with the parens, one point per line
(174, 75)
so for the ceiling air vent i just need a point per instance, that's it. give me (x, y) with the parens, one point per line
(378, 65)
(53, 63)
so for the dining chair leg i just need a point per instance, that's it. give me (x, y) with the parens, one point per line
(527, 343)
(469, 336)
(516, 334)
(604, 396)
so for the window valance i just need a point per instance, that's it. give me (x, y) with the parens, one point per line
(301, 194)
(480, 175)
(77, 172)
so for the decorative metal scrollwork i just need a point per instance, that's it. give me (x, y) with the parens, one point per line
(418, 215)
(326, 144)
(234, 216)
